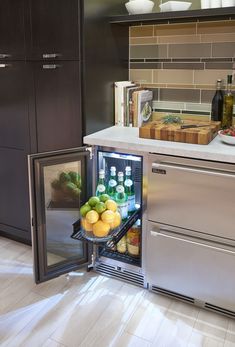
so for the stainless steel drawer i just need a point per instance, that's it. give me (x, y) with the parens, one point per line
(192, 267)
(192, 194)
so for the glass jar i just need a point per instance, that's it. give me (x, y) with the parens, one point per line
(122, 246)
(133, 240)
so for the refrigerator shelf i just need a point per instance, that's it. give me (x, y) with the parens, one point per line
(124, 258)
(112, 239)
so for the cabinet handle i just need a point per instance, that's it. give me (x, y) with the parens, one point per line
(50, 55)
(50, 66)
(4, 56)
(2, 66)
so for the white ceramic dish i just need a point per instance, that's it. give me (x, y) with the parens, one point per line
(175, 6)
(227, 139)
(139, 6)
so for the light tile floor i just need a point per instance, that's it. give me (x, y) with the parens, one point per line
(89, 310)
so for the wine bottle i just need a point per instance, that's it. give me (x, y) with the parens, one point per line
(217, 103)
(228, 105)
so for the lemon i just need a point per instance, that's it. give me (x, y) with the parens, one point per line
(117, 220)
(84, 209)
(101, 229)
(86, 225)
(92, 216)
(108, 216)
(111, 205)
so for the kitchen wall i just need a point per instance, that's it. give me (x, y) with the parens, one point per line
(181, 62)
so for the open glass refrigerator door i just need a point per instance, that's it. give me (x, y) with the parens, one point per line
(61, 183)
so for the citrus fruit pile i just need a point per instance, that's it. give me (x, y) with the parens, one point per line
(100, 215)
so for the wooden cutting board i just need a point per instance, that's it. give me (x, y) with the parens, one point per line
(172, 132)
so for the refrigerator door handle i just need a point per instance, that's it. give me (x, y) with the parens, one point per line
(159, 233)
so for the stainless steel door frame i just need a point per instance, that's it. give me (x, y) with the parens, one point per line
(199, 269)
(192, 194)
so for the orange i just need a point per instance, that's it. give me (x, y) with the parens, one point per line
(86, 225)
(108, 216)
(101, 229)
(117, 220)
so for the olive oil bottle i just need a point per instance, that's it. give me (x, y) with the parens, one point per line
(227, 120)
(217, 103)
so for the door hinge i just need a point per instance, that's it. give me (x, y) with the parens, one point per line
(91, 150)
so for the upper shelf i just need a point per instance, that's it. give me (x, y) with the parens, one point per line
(175, 16)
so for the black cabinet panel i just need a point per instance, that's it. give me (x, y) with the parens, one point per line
(55, 29)
(14, 112)
(12, 30)
(57, 93)
(14, 197)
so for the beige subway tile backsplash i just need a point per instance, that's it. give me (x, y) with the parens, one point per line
(216, 27)
(142, 31)
(173, 76)
(224, 37)
(209, 77)
(179, 39)
(141, 76)
(174, 29)
(194, 50)
(148, 51)
(143, 40)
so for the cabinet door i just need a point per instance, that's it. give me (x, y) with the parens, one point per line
(57, 88)
(55, 29)
(12, 30)
(60, 184)
(14, 197)
(14, 105)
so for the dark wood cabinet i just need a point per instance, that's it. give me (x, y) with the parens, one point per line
(14, 105)
(58, 105)
(12, 30)
(14, 197)
(55, 29)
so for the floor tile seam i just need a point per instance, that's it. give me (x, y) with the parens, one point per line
(193, 328)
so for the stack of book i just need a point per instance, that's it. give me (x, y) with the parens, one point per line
(133, 104)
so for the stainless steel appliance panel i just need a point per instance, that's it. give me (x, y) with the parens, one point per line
(193, 267)
(192, 194)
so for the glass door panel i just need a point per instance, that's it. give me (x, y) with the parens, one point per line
(59, 188)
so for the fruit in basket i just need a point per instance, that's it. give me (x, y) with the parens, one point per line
(111, 205)
(117, 220)
(108, 216)
(100, 207)
(64, 177)
(101, 229)
(84, 209)
(93, 201)
(92, 216)
(104, 197)
(86, 226)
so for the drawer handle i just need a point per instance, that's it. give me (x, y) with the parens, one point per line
(3, 66)
(156, 233)
(189, 169)
(4, 56)
(50, 55)
(50, 66)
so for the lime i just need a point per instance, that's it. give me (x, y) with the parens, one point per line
(100, 207)
(104, 197)
(84, 209)
(93, 201)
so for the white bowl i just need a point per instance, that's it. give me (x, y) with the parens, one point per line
(227, 139)
(175, 6)
(139, 6)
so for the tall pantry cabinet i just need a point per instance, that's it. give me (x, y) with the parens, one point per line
(58, 61)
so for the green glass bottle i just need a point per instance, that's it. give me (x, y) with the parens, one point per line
(227, 120)
(121, 197)
(129, 190)
(112, 183)
(101, 189)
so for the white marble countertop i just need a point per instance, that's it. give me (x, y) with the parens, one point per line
(128, 138)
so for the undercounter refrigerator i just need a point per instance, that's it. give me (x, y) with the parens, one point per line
(63, 181)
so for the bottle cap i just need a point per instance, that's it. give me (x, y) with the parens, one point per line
(128, 168)
(113, 168)
(120, 174)
(101, 173)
